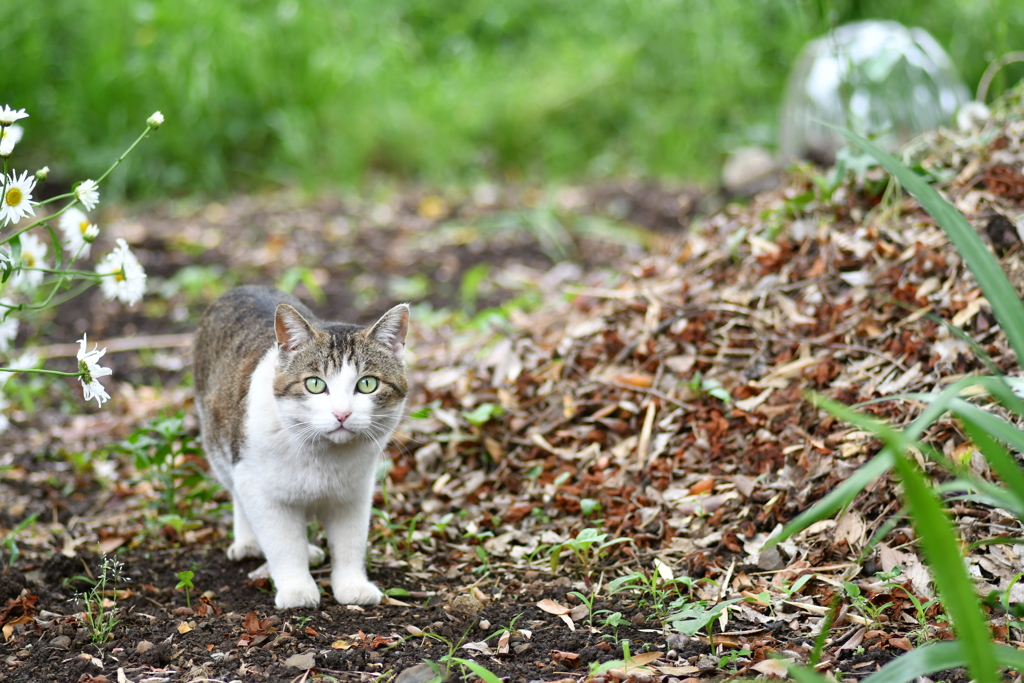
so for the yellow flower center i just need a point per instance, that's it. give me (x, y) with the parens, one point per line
(29, 260)
(119, 275)
(83, 226)
(14, 196)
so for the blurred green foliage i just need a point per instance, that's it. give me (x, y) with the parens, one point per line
(325, 92)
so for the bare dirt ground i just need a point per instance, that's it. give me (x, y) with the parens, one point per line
(610, 416)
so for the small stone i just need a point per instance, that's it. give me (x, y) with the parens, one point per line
(466, 605)
(421, 673)
(307, 660)
(62, 642)
(281, 640)
(484, 624)
(143, 646)
(677, 640)
(638, 619)
(707, 663)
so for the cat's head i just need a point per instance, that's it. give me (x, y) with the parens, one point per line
(340, 382)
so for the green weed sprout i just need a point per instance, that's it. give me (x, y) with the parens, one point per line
(10, 540)
(449, 659)
(587, 548)
(185, 581)
(30, 283)
(161, 450)
(100, 620)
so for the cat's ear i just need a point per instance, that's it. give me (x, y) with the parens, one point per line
(391, 329)
(292, 329)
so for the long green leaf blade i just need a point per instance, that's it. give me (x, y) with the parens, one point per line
(938, 543)
(940, 548)
(937, 657)
(484, 673)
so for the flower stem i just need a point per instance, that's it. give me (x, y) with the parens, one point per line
(125, 154)
(41, 371)
(55, 198)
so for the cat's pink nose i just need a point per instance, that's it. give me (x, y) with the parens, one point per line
(341, 415)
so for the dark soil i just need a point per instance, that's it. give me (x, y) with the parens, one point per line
(158, 637)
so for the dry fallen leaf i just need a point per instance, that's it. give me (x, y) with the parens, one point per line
(569, 659)
(772, 668)
(639, 380)
(705, 485)
(552, 607)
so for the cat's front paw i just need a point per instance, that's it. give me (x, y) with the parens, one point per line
(302, 593)
(261, 572)
(239, 550)
(357, 592)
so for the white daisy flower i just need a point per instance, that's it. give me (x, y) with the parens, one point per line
(88, 193)
(9, 116)
(79, 233)
(156, 120)
(9, 137)
(91, 372)
(126, 280)
(33, 255)
(17, 200)
(8, 326)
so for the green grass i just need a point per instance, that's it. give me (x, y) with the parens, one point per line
(328, 93)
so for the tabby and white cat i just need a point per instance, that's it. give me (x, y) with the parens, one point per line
(294, 413)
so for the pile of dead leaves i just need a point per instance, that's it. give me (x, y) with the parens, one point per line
(668, 404)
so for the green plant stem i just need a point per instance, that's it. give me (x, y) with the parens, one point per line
(123, 156)
(80, 273)
(42, 371)
(66, 195)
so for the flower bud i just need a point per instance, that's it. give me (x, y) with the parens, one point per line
(42, 173)
(156, 120)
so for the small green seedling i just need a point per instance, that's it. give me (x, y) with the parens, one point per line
(588, 547)
(10, 540)
(185, 581)
(99, 619)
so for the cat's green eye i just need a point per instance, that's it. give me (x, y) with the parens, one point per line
(315, 385)
(367, 385)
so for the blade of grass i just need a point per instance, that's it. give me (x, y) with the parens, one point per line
(982, 427)
(937, 657)
(485, 674)
(1006, 304)
(843, 494)
(938, 543)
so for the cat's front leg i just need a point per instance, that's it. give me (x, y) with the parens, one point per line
(281, 532)
(347, 527)
(245, 544)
